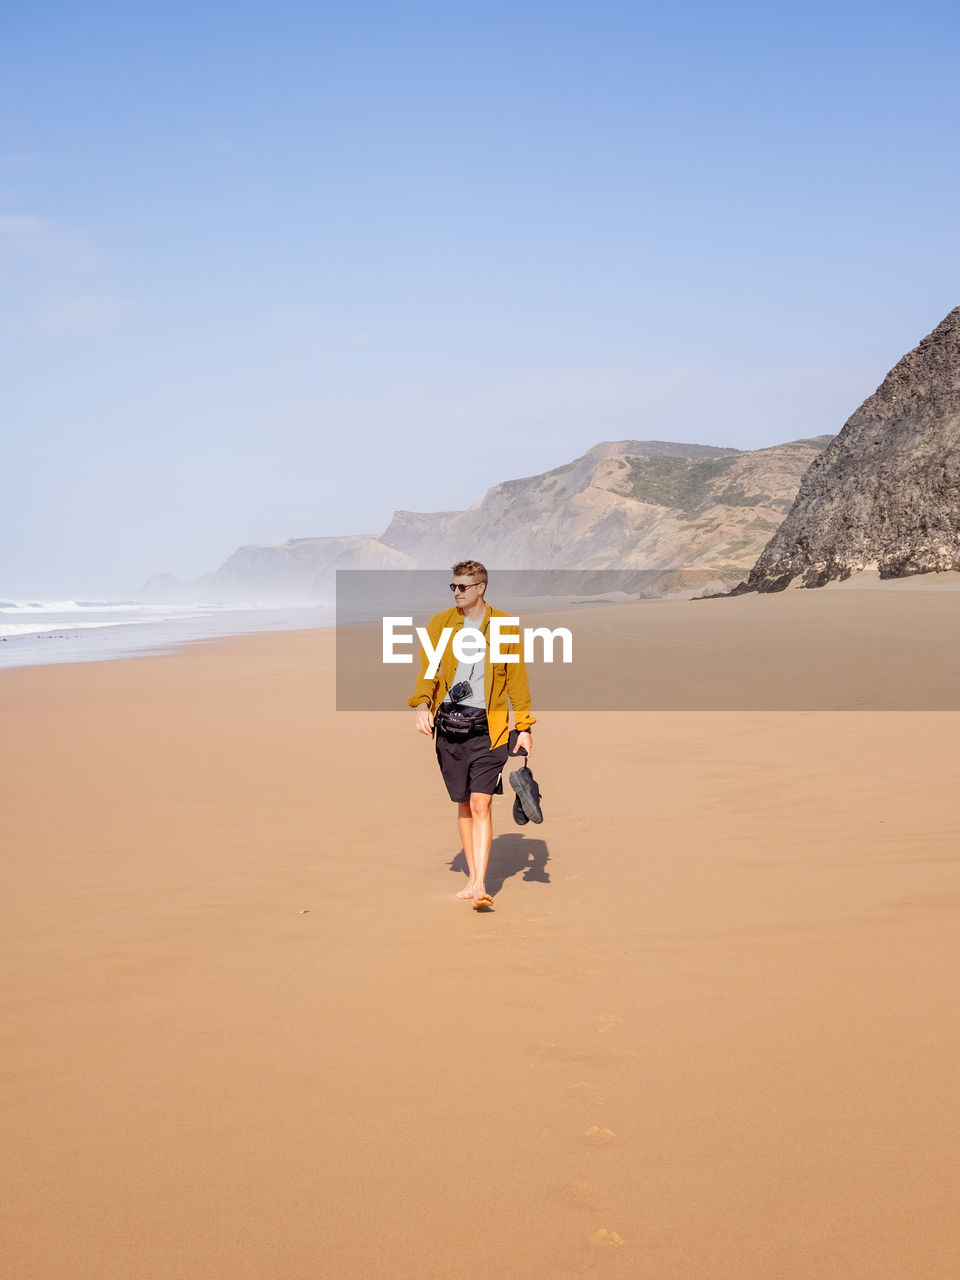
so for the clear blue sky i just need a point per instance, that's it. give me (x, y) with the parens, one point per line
(274, 271)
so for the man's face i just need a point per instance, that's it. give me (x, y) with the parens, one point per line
(467, 591)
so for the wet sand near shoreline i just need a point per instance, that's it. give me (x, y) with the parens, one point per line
(710, 1028)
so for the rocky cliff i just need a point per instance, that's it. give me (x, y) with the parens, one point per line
(885, 494)
(628, 505)
(697, 514)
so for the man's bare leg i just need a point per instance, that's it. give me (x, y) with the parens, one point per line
(482, 839)
(465, 823)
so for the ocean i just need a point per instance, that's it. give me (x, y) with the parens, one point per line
(36, 632)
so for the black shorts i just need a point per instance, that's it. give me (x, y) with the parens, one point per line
(471, 766)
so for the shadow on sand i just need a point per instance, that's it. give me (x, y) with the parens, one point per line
(509, 856)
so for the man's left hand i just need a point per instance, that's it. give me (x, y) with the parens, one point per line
(525, 742)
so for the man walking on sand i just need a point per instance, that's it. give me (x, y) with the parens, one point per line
(466, 703)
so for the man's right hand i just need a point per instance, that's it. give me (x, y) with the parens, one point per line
(424, 719)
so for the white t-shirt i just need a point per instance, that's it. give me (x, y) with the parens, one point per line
(473, 673)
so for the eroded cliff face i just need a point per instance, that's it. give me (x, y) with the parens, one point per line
(697, 512)
(629, 504)
(885, 494)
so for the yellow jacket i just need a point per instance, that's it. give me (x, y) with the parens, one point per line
(501, 680)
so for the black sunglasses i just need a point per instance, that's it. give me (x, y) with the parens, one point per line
(462, 586)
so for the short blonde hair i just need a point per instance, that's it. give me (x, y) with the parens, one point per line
(472, 567)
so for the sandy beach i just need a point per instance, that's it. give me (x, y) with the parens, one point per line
(711, 1030)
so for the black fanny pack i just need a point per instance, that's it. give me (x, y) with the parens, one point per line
(459, 723)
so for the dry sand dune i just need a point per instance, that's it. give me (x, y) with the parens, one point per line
(710, 1030)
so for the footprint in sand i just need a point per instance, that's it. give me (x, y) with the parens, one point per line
(596, 1132)
(583, 1257)
(608, 1239)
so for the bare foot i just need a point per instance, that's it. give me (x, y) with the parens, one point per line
(467, 892)
(482, 901)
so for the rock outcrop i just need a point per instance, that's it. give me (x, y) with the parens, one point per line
(885, 494)
(632, 504)
(690, 514)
